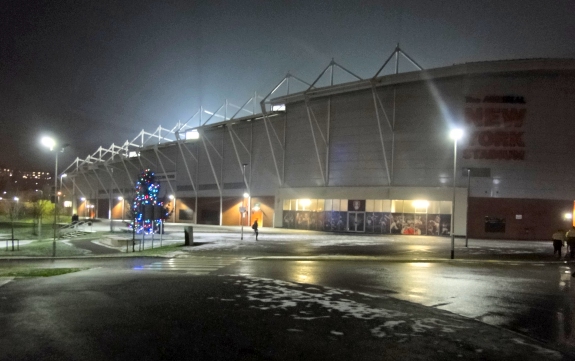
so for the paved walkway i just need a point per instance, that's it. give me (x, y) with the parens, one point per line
(96, 249)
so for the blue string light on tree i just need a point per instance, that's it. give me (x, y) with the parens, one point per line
(145, 201)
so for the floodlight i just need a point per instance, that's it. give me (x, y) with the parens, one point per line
(456, 133)
(48, 142)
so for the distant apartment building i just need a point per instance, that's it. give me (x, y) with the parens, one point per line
(14, 180)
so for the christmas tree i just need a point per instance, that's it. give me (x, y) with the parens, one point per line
(147, 210)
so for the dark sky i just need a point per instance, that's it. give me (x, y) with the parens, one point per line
(94, 73)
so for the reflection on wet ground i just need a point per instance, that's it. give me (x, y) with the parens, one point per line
(536, 299)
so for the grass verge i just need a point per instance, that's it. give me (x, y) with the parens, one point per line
(41, 249)
(37, 272)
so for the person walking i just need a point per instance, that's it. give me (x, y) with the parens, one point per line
(558, 239)
(570, 236)
(255, 228)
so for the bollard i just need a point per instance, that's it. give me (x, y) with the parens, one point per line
(189, 236)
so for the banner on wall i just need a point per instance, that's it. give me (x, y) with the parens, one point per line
(495, 125)
(356, 205)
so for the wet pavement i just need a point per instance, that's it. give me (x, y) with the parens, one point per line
(519, 286)
(103, 314)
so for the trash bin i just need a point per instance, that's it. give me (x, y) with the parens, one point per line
(189, 236)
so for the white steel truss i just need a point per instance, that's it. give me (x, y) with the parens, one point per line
(324, 169)
(129, 155)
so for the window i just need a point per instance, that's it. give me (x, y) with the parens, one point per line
(335, 205)
(328, 205)
(369, 205)
(494, 225)
(396, 206)
(306, 204)
(320, 205)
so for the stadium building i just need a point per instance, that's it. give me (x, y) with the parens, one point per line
(365, 155)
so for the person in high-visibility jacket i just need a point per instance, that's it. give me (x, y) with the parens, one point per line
(558, 239)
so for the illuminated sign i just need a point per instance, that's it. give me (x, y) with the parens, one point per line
(496, 124)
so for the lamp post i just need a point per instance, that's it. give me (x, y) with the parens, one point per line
(60, 193)
(121, 199)
(243, 207)
(467, 209)
(62, 176)
(13, 214)
(174, 206)
(455, 134)
(50, 143)
(83, 199)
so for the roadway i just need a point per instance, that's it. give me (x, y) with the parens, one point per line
(510, 300)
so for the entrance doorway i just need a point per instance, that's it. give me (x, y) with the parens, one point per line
(356, 221)
(259, 215)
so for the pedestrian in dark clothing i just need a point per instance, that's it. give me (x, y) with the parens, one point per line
(558, 239)
(570, 235)
(255, 228)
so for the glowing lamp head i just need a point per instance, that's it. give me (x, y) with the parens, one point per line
(246, 195)
(171, 196)
(568, 216)
(48, 142)
(456, 133)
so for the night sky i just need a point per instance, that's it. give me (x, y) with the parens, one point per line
(94, 73)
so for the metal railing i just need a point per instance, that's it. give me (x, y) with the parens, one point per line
(75, 229)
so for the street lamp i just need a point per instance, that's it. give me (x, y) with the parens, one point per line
(51, 143)
(243, 207)
(83, 199)
(455, 134)
(62, 176)
(60, 193)
(121, 199)
(174, 206)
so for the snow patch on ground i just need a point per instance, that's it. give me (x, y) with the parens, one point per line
(268, 294)
(540, 350)
(5, 280)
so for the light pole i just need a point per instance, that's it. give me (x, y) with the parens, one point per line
(83, 199)
(61, 193)
(243, 207)
(121, 199)
(12, 216)
(455, 134)
(50, 143)
(467, 210)
(62, 176)
(174, 206)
